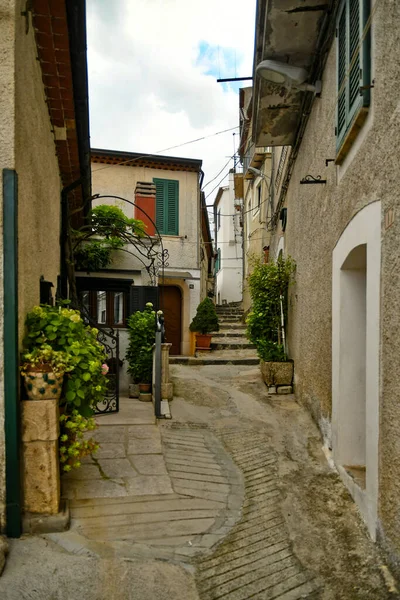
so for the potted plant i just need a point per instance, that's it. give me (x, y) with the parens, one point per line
(269, 285)
(43, 371)
(204, 322)
(141, 332)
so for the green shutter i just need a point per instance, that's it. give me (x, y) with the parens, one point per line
(167, 206)
(159, 204)
(341, 74)
(354, 71)
(172, 201)
(353, 63)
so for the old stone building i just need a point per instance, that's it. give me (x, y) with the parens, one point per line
(334, 121)
(44, 167)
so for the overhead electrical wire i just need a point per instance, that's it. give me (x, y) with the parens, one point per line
(124, 162)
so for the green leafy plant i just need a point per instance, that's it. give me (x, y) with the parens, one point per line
(139, 355)
(206, 318)
(63, 330)
(108, 229)
(268, 285)
(73, 445)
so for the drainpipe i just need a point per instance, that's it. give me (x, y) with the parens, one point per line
(65, 242)
(11, 353)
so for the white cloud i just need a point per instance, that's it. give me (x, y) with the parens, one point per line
(153, 66)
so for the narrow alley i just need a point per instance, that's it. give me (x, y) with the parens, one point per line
(233, 498)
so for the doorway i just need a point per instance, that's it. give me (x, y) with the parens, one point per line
(171, 305)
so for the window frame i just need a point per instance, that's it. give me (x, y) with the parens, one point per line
(109, 307)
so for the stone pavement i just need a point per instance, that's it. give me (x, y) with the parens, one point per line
(168, 496)
(232, 499)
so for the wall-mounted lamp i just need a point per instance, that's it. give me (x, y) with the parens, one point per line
(287, 75)
(258, 173)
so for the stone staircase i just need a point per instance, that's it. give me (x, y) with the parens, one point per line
(229, 345)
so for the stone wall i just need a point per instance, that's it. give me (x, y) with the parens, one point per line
(39, 182)
(26, 145)
(317, 215)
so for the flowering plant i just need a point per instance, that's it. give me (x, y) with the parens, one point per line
(45, 358)
(73, 444)
(62, 330)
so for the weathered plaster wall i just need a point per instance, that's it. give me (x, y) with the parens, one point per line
(7, 161)
(317, 215)
(255, 234)
(39, 182)
(121, 181)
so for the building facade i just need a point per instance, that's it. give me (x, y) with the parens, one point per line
(338, 161)
(44, 162)
(228, 244)
(164, 192)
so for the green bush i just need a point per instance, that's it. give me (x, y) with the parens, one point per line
(268, 282)
(142, 335)
(206, 318)
(63, 330)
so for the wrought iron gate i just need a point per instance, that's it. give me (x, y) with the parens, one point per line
(110, 340)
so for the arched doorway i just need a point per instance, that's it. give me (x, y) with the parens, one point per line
(171, 305)
(355, 358)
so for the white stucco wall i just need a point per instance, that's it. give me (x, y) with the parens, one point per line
(229, 284)
(119, 180)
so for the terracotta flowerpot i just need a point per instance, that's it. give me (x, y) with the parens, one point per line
(144, 388)
(203, 341)
(43, 384)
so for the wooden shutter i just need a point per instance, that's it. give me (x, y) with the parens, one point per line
(151, 295)
(172, 202)
(354, 64)
(160, 213)
(341, 74)
(134, 299)
(167, 206)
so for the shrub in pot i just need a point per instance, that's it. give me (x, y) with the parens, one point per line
(269, 285)
(139, 355)
(204, 323)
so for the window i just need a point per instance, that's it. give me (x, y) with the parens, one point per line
(167, 206)
(257, 203)
(353, 68)
(218, 220)
(106, 308)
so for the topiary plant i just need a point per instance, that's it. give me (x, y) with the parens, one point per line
(206, 319)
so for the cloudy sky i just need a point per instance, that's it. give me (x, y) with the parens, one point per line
(153, 66)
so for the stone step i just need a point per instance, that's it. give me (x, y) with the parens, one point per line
(231, 333)
(234, 344)
(237, 313)
(229, 359)
(230, 319)
(229, 325)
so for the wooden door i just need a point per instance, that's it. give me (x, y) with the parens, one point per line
(171, 305)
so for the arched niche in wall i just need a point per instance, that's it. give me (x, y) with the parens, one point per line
(355, 358)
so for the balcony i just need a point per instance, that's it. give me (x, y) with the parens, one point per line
(254, 157)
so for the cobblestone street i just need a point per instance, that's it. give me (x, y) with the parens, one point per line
(232, 499)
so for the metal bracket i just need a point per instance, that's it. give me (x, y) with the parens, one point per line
(309, 179)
